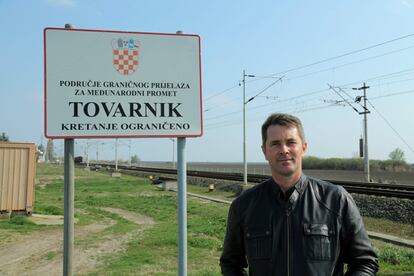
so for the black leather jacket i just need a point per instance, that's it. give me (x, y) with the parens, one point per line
(313, 232)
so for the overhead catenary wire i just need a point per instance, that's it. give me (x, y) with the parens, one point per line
(390, 125)
(319, 91)
(291, 108)
(383, 76)
(236, 121)
(219, 105)
(357, 100)
(349, 63)
(263, 90)
(393, 94)
(221, 92)
(287, 109)
(340, 56)
(326, 60)
(295, 104)
(345, 100)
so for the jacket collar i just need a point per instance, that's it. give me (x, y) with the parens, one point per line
(299, 186)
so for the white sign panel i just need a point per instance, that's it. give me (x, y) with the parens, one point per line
(121, 84)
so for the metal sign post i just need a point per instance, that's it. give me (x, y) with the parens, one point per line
(182, 206)
(69, 195)
(69, 198)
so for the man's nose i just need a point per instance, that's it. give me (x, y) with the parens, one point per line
(284, 149)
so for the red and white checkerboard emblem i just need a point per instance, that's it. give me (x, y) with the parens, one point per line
(125, 55)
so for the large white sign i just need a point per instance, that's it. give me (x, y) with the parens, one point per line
(121, 84)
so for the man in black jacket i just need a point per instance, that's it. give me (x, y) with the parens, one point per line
(292, 224)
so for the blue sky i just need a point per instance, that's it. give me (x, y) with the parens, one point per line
(266, 38)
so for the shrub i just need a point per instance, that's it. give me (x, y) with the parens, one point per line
(396, 256)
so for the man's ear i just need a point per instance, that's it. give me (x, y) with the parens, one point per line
(305, 147)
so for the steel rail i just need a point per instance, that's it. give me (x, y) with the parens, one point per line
(368, 188)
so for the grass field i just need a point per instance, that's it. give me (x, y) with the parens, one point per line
(144, 249)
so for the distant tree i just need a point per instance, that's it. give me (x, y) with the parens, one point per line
(4, 137)
(40, 152)
(50, 153)
(41, 148)
(135, 159)
(397, 160)
(397, 155)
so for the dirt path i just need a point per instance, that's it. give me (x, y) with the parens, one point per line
(41, 252)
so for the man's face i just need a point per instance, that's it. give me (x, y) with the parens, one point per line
(284, 150)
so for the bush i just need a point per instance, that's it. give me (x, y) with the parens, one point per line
(316, 163)
(19, 220)
(48, 209)
(353, 164)
(396, 256)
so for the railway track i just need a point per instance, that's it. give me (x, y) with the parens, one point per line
(368, 188)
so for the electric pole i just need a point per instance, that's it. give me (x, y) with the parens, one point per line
(244, 127)
(365, 112)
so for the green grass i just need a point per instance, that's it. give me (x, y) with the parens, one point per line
(17, 224)
(229, 196)
(395, 260)
(51, 255)
(154, 250)
(405, 231)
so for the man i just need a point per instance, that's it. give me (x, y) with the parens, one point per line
(292, 224)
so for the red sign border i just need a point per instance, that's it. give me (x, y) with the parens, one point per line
(118, 136)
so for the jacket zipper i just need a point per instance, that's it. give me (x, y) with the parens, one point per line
(288, 240)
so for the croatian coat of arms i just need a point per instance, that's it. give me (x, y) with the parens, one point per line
(125, 55)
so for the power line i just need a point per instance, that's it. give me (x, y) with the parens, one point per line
(221, 92)
(323, 61)
(392, 82)
(347, 84)
(237, 121)
(383, 76)
(350, 63)
(345, 100)
(388, 123)
(321, 91)
(221, 104)
(295, 109)
(340, 56)
(224, 115)
(356, 100)
(343, 85)
(394, 94)
(319, 107)
(267, 87)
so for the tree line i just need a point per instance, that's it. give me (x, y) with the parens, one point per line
(396, 162)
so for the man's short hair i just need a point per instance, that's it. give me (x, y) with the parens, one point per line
(282, 119)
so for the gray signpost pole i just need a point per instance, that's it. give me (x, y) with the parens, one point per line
(182, 207)
(68, 207)
(69, 191)
(182, 204)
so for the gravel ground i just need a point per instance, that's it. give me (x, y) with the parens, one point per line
(394, 209)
